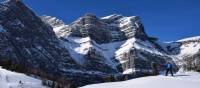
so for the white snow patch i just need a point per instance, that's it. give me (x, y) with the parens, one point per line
(85, 44)
(127, 46)
(125, 21)
(111, 16)
(189, 49)
(122, 20)
(137, 44)
(147, 46)
(129, 71)
(57, 29)
(77, 47)
(108, 51)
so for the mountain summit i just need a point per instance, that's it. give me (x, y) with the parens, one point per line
(103, 30)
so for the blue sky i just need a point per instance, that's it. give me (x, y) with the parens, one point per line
(166, 19)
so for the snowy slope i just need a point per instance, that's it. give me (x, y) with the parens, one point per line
(10, 79)
(181, 80)
(190, 46)
(78, 47)
(189, 49)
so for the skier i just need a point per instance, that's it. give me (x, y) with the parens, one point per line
(169, 68)
(21, 84)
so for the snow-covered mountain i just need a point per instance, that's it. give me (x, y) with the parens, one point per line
(188, 46)
(117, 41)
(89, 50)
(10, 79)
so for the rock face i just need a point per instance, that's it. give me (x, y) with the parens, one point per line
(86, 51)
(128, 26)
(103, 30)
(27, 40)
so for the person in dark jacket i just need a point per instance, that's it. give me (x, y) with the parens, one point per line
(169, 68)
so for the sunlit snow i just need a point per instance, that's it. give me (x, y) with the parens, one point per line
(180, 80)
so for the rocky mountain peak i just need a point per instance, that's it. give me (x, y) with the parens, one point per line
(90, 15)
(103, 30)
(130, 25)
(87, 19)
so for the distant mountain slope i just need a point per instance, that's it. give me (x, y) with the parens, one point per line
(188, 46)
(185, 52)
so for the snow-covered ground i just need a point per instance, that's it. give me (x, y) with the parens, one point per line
(10, 79)
(180, 80)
